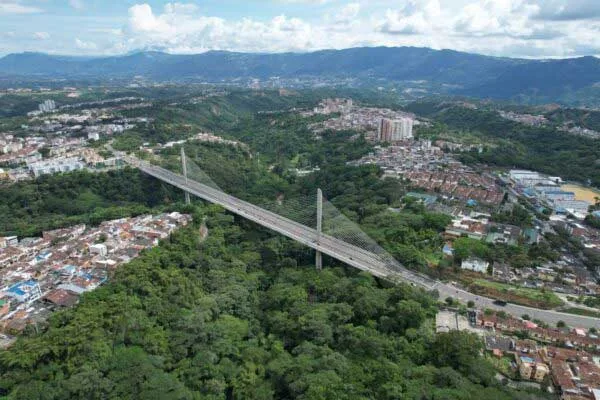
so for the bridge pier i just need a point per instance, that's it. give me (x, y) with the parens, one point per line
(184, 167)
(319, 256)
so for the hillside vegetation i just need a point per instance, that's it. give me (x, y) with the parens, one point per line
(235, 318)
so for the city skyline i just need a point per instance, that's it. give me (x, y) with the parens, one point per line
(513, 28)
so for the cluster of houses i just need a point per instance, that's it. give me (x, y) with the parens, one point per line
(92, 123)
(38, 275)
(429, 167)
(478, 226)
(565, 275)
(568, 358)
(23, 159)
(47, 143)
(204, 137)
(353, 117)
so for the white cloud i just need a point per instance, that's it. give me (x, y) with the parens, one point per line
(77, 4)
(414, 18)
(304, 1)
(566, 10)
(180, 8)
(348, 13)
(177, 29)
(41, 35)
(142, 19)
(85, 45)
(14, 7)
(496, 27)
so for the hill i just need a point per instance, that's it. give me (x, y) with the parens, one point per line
(444, 71)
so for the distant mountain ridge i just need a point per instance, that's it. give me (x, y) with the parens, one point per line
(462, 73)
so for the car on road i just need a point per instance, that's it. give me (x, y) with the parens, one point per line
(500, 303)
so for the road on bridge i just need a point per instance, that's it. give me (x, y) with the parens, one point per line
(348, 253)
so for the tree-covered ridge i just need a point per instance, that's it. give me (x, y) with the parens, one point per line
(233, 317)
(544, 149)
(584, 118)
(55, 201)
(445, 71)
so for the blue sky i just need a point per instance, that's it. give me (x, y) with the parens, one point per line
(518, 28)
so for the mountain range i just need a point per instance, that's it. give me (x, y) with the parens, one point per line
(451, 71)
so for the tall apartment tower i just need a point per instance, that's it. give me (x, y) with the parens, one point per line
(395, 130)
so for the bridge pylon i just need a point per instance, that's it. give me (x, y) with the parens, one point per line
(319, 256)
(184, 168)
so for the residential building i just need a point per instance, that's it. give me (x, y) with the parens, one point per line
(475, 264)
(11, 240)
(99, 249)
(469, 227)
(394, 130)
(26, 291)
(56, 166)
(47, 106)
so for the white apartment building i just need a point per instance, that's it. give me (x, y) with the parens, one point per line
(56, 166)
(394, 130)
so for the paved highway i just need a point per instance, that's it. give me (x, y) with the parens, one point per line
(345, 252)
(551, 317)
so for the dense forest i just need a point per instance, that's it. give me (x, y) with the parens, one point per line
(54, 201)
(544, 149)
(584, 118)
(235, 317)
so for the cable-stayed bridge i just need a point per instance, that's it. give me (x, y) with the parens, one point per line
(334, 235)
(363, 254)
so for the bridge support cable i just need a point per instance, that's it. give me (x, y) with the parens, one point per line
(331, 223)
(197, 174)
(341, 227)
(299, 209)
(319, 256)
(185, 173)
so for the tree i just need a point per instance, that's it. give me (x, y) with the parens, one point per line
(470, 304)
(561, 324)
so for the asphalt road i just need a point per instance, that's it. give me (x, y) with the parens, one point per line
(348, 253)
(551, 317)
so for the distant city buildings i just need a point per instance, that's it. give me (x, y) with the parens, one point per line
(55, 166)
(527, 119)
(364, 119)
(395, 130)
(329, 106)
(47, 106)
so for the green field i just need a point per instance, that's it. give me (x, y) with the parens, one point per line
(581, 311)
(519, 295)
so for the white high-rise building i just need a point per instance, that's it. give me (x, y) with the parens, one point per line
(47, 106)
(395, 130)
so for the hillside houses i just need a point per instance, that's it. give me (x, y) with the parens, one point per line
(38, 275)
